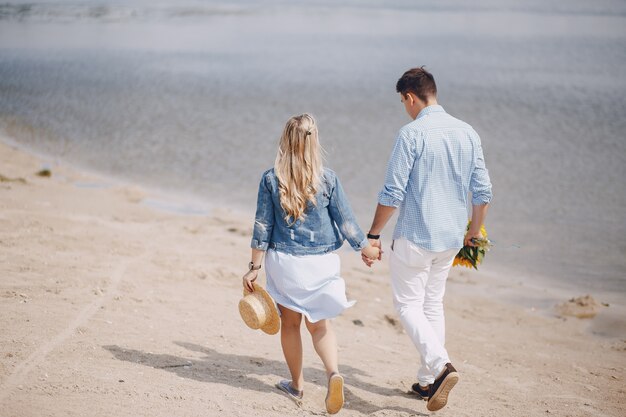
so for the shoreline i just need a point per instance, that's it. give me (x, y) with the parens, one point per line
(111, 307)
(610, 323)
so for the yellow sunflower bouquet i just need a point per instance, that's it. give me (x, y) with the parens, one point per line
(472, 256)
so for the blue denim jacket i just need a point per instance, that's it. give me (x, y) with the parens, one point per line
(323, 229)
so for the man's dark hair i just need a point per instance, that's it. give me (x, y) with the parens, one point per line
(419, 82)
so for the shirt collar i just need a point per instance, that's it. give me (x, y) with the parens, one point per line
(430, 109)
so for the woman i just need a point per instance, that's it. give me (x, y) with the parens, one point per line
(303, 216)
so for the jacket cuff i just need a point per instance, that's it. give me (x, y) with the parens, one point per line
(257, 244)
(364, 243)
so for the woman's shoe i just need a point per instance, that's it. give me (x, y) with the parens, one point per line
(334, 396)
(294, 394)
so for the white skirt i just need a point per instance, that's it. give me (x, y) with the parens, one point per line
(310, 285)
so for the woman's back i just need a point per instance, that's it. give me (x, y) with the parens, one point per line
(322, 227)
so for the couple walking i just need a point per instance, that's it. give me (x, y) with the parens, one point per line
(303, 216)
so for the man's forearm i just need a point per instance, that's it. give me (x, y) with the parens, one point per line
(381, 217)
(478, 217)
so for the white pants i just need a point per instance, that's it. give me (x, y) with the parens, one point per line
(418, 281)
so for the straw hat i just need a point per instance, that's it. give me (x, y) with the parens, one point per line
(258, 310)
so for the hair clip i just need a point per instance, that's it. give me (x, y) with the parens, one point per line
(308, 133)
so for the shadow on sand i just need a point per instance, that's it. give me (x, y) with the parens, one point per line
(233, 370)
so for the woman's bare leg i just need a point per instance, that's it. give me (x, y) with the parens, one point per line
(325, 344)
(291, 342)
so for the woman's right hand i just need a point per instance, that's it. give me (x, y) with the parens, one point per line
(248, 279)
(371, 252)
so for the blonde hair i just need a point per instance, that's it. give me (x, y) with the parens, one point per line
(298, 166)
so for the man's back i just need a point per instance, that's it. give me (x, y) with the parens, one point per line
(436, 161)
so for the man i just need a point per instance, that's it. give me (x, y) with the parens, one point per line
(436, 161)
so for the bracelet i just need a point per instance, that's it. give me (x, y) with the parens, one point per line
(252, 267)
(374, 237)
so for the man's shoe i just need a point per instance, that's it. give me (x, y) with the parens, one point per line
(334, 396)
(439, 390)
(419, 391)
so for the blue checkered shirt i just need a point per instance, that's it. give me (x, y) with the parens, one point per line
(436, 161)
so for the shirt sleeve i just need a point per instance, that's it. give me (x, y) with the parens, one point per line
(264, 217)
(480, 184)
(398, 171)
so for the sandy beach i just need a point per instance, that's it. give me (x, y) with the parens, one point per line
(109, 307)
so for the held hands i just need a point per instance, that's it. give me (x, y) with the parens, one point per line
(372, 253)
(248, 279)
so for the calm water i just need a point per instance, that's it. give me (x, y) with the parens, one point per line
(191, 96)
